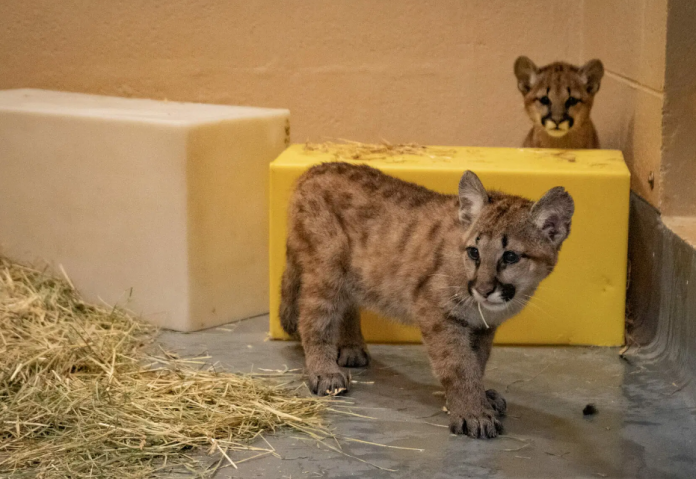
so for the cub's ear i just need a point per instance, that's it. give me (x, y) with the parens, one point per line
(527, 74)
(592, 73)
(472, 197)
(552, 215)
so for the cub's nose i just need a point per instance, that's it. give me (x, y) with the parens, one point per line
(485, 289)
(561, 122)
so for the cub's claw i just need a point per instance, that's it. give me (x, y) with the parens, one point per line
(479, 426)
(496, 401)
(329, 384)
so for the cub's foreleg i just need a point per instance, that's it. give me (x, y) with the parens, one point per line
(482, 342)
(457, 366)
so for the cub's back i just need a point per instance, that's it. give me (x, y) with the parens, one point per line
(361, 196)
(361, 181)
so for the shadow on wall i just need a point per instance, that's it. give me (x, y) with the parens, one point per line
(645, 238)
(662, 293)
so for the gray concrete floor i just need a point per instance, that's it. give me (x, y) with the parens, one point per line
(645, 428)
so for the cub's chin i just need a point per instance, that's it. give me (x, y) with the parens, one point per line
(499, 310)
(556, 133)
(493, 307)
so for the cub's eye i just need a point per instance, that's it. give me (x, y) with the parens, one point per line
(572, 101)
(473, 253)
(544, 100)
(510, 257)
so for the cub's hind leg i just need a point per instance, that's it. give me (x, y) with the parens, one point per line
(352, 350)
(322, 305)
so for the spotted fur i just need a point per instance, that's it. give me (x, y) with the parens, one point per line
(558, 99)
(360, 238)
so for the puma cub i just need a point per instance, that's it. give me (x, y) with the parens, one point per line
(558, 98)
(455, 265)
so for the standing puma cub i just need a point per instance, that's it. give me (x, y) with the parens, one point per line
(456, 265)
(558, 98)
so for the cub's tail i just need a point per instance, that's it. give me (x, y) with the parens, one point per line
(290, 294)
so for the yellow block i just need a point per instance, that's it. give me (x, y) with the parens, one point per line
(581, 302)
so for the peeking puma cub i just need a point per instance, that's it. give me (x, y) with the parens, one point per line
(456, 265)
(558, 98)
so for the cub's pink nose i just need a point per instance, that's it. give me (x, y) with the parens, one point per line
(485, 289)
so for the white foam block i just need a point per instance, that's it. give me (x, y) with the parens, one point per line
(159, 206)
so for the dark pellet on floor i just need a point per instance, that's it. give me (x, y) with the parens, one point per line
(590, 410)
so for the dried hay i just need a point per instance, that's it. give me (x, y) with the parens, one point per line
(80, 398)
(356, 151)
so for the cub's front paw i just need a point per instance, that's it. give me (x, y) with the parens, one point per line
(496, 401)
(353, 357)
(480, 425)
(329, 383)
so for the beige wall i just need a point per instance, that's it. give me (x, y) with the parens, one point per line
(629, 37)
(402, 70)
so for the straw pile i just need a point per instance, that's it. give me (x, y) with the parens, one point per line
(354, 150)
(80, 398)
